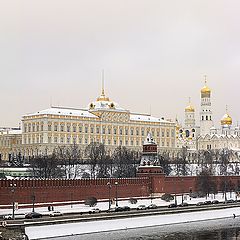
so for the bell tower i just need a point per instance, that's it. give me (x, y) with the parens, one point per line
(206, 121)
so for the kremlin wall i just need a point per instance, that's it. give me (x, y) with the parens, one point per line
(149, 182)
(57, 190)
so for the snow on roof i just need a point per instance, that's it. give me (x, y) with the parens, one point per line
(64, 111)
(105, 105)
(146, 118)
(14, 132)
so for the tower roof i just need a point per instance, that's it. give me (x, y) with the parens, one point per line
(189, 108)
(205, 91)
(226, 119)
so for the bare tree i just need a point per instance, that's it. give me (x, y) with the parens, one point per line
(46, 167)
(70, 158)
(93, 154)
(125, 162)
(164, 159)
(205, 183)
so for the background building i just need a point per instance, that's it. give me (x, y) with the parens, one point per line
(103, 121)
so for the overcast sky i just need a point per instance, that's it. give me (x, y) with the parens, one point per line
(154, 53)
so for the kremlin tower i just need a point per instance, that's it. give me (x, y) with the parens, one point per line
(206, 110)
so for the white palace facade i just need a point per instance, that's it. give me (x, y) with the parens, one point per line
(103, 121)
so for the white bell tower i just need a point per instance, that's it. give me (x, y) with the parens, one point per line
(206, 121)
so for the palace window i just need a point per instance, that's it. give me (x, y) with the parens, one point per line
(33, 127)
(120, 142)
(97, 130)
(62, 140)
(86, 141)
(131, 131)
(115, 131)
(55, 139)
(109, 141)
(143, 132)
(49, 139)
(80, 129)
(132, 142)
(74, 128)
(29, 127)
(42, 127)
(68, 128)
(115, 142)
(62, 128)
(109, 130)
(126, 131)
(163, 133)
(49, 127)
(68, 140)
(137, 132)
(55, 127)
(167, 133)
(121, 131)
(103, 130)
(92, 129)
(126, 142)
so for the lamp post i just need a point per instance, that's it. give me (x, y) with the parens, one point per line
(109, 195)
(116, 184)
(33, 195)
(13, 185)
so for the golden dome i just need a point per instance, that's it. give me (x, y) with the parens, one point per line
(226, 120)
(206, 89)
(189, 108)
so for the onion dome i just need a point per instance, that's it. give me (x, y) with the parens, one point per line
(189, 108)
(205, 91)
(226, 119)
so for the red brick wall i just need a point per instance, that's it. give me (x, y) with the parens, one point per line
(56, 190)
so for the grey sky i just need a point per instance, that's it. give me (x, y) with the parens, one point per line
(154, 52)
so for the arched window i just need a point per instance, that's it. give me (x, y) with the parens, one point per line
(207, 118)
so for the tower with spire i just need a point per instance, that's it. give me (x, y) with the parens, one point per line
(189, 115)
(206, 121)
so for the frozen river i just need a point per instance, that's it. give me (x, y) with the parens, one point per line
(224, 229)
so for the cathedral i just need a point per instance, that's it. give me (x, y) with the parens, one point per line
(207, 135)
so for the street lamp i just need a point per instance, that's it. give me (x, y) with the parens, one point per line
(33, 197)
(109, 195)
(116, 184)
(13, 185)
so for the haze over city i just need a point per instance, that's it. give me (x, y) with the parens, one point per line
(154, 54)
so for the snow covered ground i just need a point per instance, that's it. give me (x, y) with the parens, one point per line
(48, 231)
(76, 208)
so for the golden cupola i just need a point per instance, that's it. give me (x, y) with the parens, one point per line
(205, 91)
(189, 108)
(226, 120)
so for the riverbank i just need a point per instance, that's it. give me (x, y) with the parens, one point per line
(70, 229)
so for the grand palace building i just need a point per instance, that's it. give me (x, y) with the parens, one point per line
(103, 121)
